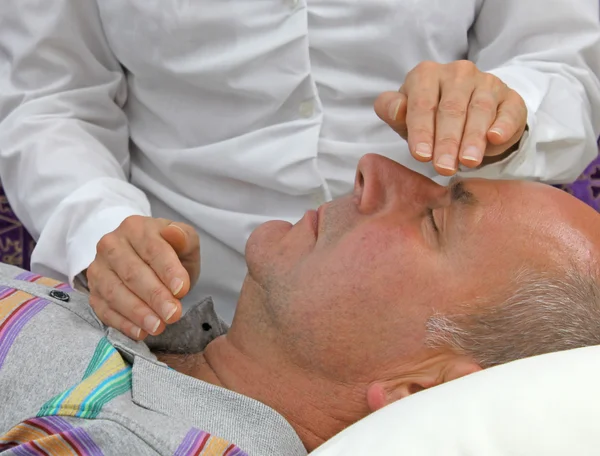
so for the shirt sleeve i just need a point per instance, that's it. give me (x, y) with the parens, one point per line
(64, 156)
(548, 51)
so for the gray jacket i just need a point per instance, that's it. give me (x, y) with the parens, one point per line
(69, 385)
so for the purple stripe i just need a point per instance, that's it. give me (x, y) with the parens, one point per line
(71, 435)
(64, 286)
(16, 322)
(75, 437)
(26, 450)
(27, 276)
(237, 452)
(55, 424)
(5, 291)
(190, 443)
(85, 443)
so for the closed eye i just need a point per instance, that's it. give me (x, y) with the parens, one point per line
(432, 218)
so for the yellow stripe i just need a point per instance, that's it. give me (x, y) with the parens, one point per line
(72, 403)
(48, 282)
(51, 444)
(10, 303)
(55, 445)
(215, 447)
(22, 433)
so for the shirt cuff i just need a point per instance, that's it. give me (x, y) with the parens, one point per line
(81, 246)
(522, 163)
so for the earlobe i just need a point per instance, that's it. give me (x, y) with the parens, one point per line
(376, 397)
(381, 394)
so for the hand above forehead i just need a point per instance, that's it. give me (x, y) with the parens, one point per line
(454, 113)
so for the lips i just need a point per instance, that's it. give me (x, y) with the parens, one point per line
(320, 215)
(312, 218)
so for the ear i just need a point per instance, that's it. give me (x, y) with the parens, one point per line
(459, 367)
(380, 394)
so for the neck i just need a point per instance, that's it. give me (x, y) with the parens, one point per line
(316, 408)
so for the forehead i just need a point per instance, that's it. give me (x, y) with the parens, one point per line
(546, 222)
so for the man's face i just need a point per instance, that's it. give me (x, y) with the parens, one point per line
(350, 288)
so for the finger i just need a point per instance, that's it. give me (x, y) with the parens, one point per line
(115, 320)
(423, 94)
(450, 124)
(480, 116)
(164, 262)
(391, 108)
(120, 299)
(138, 277)
(509, 125)
(186, 243)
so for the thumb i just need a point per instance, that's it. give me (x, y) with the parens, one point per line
(186, 243)
(391, 107)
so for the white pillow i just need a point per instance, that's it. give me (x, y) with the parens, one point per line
(547, 405)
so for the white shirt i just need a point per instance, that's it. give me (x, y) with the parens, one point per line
(228, 113)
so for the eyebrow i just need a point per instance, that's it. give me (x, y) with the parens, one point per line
(459, 193)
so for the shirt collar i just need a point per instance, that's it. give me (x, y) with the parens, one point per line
(249, 424)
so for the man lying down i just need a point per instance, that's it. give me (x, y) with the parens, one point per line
(399, 287)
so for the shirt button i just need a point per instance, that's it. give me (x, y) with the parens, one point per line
(60, 295)
(307, 108)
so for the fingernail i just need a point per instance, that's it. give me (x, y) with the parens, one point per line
(135, 332)
(446, 162)
(167, 310)
(179, 228)
(472, 153)
(423, 150)
(497, 131)
(176, 286)
(151, 323)
(394, 108)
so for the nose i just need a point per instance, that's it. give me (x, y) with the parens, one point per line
(381, 182)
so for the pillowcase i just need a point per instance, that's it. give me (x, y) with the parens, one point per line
(547, 405)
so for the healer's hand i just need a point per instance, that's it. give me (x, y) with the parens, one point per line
(451, 113)
(140, 271)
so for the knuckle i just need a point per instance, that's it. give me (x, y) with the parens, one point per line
(157, 294)
(426, 65)
(107, 244)
(131, 222)
(491, 80)
(110, 292)
(453, 108)
(140, 309)
(448, 142)
(170, 270)
(129, 274)
(464, 66)
(424, 105)
(91, 273)
(153, 250)
(483, 103)
(421, 132)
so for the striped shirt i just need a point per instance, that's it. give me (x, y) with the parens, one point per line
(71, 386)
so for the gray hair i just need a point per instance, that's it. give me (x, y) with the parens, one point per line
(546, 312)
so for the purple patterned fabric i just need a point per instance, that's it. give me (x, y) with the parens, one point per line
(587, 186)
(16, 244)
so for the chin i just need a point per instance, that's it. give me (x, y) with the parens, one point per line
(263, 239)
